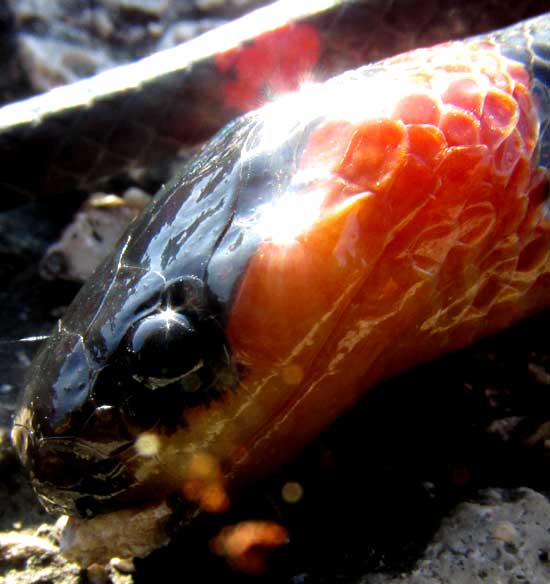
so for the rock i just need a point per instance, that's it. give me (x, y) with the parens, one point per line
(150, 8)
(92, 235)
(123, 534)
(29, 559)
(540, 374)
(53, 62)
(61, 41)
(35, 559)
(502, 538)
(185, 30)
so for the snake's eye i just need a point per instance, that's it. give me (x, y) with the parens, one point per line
(163, 346)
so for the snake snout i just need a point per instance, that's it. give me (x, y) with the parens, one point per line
(70, 475)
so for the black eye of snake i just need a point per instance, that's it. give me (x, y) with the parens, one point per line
(164, 346)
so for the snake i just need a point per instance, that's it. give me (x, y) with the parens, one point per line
(313, 247)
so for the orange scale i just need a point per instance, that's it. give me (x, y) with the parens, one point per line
(327, 145)
(508, 216)
(534, 256)
(500, 259)
(512, 208)
(397, 341)
(518, 73)
(528, 119)
(483, 214)
(500, 79)
(508, 154)
(426, 142)
(450, 324)
(447, 57)
(464, 93)
(485, 59)
(457, 68)
(537, 195)
(287, 287)
(499, 117)
(434, 212)
(455, 306)
(393, 279)
(460, 128)
(486, 294)
(407, 231)
(458, 273)
(464, 165)
(538, 183)
(481, 191)
(517, 214)
(519, 177)
(338, 191)
(429, 250)
(531, 219)
(477, 223)
(375, 153)
(452, 197)
(414, 184)
(418, 108)
(410, 56)
(481, 46)
(463, 333)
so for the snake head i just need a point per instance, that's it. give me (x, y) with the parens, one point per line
(118, 367)
(141, 344)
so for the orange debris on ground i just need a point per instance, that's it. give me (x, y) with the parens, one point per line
(246, 545)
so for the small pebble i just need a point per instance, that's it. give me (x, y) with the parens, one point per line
(136, 198)
(123, 565)
(97, 574)
(506, 532)
(149, 7)
(539, 373)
